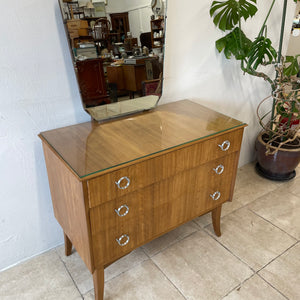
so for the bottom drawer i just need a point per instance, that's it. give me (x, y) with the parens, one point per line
(121, 225)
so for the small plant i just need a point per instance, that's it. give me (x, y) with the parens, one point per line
(283, 124)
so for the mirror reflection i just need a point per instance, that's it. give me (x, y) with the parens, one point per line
(117, 49)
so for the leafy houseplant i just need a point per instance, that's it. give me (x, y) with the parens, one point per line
(281, 123)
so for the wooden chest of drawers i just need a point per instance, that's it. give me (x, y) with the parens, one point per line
(119, 185)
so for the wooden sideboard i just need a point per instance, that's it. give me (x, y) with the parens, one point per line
(118, 185)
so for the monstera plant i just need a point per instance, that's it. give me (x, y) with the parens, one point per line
(278, 145)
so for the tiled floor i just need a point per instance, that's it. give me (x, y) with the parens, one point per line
(257, 256)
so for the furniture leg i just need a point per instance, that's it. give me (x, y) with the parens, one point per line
(98, 278)
(68, 245)
(216, 216)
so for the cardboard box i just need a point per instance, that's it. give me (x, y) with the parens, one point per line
(83, 32)
(77, 24)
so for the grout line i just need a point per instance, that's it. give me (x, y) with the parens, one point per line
(239, 285)
(255, 272)
(268, 221)
(235, 255)
(169, 279)
(272, 286)
(69, 273)
(279, 255)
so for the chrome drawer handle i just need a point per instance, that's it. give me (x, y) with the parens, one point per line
(225, 145)
(118, 183)
(122, 237)
(118, 211)
(219, 169)
(216, 195)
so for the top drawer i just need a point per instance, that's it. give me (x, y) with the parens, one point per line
(128, 179)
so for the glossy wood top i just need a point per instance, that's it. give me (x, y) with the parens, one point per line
(90, 148)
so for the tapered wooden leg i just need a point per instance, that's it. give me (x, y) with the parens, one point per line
(98, 278)
(216, 216)
(68, 245)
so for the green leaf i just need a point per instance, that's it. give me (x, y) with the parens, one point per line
(234, 43)
(227, 13)
(261, 52)
(293, 67)
(281, 111)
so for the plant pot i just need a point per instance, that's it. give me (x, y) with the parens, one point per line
(279, 166)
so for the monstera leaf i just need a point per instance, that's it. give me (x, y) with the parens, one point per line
(234, 43)
(226, 14)
(293, 67)
(261, 52)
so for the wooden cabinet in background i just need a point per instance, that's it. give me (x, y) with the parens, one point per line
(120, 25)
(91, 81)
(118, 185)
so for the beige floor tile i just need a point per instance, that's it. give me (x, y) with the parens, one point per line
(77, 269)
(251, 238)
(294, 185)
(254, 288)
(41, 278)
(250, 186)
(82, 276)
(126, 263)
(201, 268)
(280, 208)
(170, 238)
(144, 282)
(284, 273)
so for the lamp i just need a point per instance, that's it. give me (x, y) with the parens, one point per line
(90, 6)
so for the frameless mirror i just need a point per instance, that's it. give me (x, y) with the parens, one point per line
(117, 49)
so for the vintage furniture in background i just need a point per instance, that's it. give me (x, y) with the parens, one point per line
(92, 82)
(157, 33)
(92, 37)
(151, 87)
(119, 185)
(120, 25)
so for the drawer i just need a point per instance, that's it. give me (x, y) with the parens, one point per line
(126, 180)
(130, 215)
(222, 145)
(151, 211)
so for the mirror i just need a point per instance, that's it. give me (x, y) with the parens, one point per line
(117, 49)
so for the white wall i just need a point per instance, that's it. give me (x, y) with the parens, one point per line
(39, 92)
(195, 70)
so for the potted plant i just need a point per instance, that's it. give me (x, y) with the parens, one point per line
(278, 145)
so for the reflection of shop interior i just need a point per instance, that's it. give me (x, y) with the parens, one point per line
(117, 54)
(294, 41)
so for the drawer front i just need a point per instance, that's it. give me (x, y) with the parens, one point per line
(149, 212)
(129, 216)
(126, 180)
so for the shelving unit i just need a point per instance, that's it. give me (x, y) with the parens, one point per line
(157, 33)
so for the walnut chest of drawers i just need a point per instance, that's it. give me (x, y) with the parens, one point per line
(118, 185)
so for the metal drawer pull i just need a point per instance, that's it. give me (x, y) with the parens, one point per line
(216, 195)
(118, 211)
(122, 237)
(118, 183)
(225, 145)
(219, 169)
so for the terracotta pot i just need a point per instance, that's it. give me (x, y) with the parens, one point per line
(279, 166)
